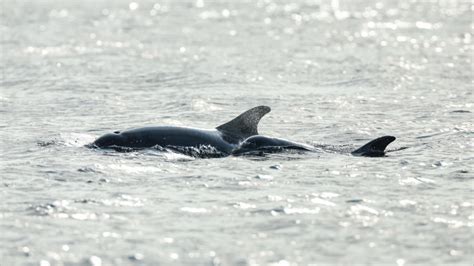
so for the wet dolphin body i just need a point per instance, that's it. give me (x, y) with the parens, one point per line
(236, 137)
(222, 140)
(263, 144)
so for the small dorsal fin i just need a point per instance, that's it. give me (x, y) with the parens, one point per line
(245, 125)
(375, 148)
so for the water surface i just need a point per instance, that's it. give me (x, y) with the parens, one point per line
(334, 73)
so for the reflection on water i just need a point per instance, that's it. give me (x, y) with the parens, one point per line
(336, 74)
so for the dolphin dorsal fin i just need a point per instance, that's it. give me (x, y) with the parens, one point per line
(375, 148)
(245, 125)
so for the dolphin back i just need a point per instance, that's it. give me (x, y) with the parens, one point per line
(246, 124)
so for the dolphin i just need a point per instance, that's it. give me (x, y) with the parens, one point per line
(236, 137)
(262, 144)
(220, 141)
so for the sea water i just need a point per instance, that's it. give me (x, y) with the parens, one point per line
(334, 73)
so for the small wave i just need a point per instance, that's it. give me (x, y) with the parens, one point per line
(269, 153)
(122, 200)
(331, 148)
(44, 209)
(171, 153)
(62, 209)
(203, 151)
(88, 169)
(460, 111)
(46, 143)
(68, 140)
(194, 210)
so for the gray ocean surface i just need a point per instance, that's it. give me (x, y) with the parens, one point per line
(336, 73)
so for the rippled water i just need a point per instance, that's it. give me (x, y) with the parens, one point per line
(334, 73)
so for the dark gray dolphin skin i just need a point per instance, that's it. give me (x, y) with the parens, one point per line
(375, 148)
(264, 144)
(260, 143)
(236, 137)
(223, 139)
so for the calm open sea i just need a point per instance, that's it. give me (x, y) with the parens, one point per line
(334, 72)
